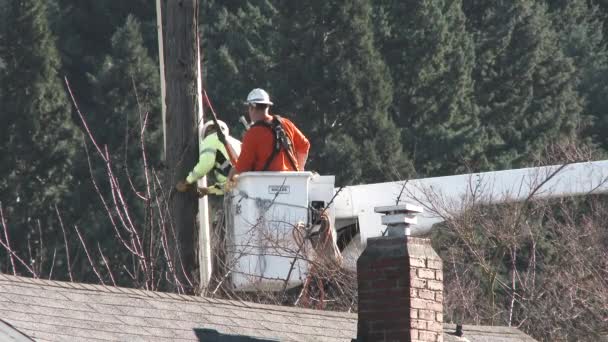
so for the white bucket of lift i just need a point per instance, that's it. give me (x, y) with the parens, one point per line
(263, 251)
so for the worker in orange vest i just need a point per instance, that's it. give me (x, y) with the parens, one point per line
(272, 143)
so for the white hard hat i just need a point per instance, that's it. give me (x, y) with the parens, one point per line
(258, 95)
(208, 124)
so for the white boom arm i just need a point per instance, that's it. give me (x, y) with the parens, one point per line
(355, 204)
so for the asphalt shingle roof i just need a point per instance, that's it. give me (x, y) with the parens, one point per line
(61, 311)
(10, 334)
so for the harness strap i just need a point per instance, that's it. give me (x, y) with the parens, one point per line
(222, 164)
(281, 141)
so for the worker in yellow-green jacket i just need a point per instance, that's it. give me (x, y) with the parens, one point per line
(213, 156)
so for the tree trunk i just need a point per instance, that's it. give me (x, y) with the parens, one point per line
(181, 128)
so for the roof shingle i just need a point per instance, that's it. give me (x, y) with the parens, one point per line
(59, 311)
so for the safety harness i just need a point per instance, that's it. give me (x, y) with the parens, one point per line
(281, 141)
(222, 165)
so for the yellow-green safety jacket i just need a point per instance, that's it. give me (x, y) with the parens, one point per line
(213, 156)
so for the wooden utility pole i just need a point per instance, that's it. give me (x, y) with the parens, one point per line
(181, 133)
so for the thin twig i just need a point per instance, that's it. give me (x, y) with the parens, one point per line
(86, 251)
(107, 264)
(82, 119)
(7, 240)
(53, 263)
(65, 241)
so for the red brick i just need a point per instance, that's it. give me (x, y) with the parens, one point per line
(396, 336)
(434, 326)
(368, 273)
(439, 275)
(434, 285)
(414, 313)
(389, 324)
(394, 292)
(427, 315)
(373, 306)
(417, 303)
(394, 314)
(418, 324)
(394, 274)
(374, 336)
(427, 335)
(403, 282)
(417, 262)
(414, 333)
(385, 283)
(418, 283)
(434, 264)
(425, 273)
(380, 292)
(438, 297)
(426, 294)
(436, 306)
(383, 263)
(439, 317)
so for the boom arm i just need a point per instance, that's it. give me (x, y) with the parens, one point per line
(355, 204)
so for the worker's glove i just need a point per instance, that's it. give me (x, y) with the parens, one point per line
(182, 186)
(202, 192)
(231, 184)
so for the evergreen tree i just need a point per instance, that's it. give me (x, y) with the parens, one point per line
(336, 81)
(126, 87)
(85, 29)
(240, 44)
(37, 136)
(580, 31)
(431, 57)
(524, 85)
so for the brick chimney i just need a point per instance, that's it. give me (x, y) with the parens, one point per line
(400, 283)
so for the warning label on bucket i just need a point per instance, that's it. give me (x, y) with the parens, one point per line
(278, 189)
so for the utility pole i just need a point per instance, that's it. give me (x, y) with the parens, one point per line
(161, 64)
(181, 122)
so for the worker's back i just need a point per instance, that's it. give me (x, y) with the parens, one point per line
(259, 144)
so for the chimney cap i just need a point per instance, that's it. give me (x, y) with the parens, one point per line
(401, 208)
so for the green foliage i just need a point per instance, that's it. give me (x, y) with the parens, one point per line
(239, 51)
(431, 56)
(334, 50)
(524, 86)
(337, 81)
(37, 136)
(580, 31)
(126, 87)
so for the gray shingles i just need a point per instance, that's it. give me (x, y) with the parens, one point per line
(247, 323)
(171, 305)
(19, 307)
(14, 316)
(9, 333)
(105, 309)
(45, 302)
(132, 330)
(57, 311)
(57, 337)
